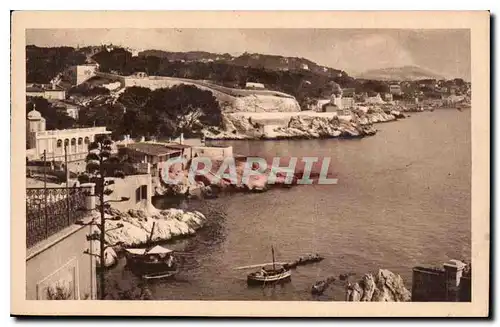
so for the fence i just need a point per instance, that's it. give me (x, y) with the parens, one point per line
(49, 210)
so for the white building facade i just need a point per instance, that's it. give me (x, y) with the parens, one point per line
(76, 140)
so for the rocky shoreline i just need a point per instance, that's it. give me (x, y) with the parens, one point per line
(356, 123)
(135, 228)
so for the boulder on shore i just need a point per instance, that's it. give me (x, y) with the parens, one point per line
(135, 227)
(385, 286)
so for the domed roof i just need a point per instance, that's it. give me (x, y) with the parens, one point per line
(34, 115)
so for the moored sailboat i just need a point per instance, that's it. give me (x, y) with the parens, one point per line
(151, 261)
(274, 273)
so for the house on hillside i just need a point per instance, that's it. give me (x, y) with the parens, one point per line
(154, 154)
(320, 103)
(349, 92)
(395, 89)
(252, 85)
(347, 98)
(140, 75)
(329, 107)
(59, 143)
(78, 74)
(377, 99)
(70, 108)
(47, 91)
(388, 97)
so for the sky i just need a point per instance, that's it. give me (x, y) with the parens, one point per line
(445, 52)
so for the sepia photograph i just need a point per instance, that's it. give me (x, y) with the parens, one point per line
(310, 165)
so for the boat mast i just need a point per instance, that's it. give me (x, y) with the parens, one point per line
(151, 234)
(272, 250)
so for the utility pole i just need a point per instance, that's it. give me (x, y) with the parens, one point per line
(103, 230)
(68, 206)
(45, 192)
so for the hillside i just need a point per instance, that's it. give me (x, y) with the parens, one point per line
(230, 99)
(299, 77)
(405, 73)
(253, 60)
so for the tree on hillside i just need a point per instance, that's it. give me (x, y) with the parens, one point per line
(137, 117)
(88, 90)
(167, 111)
(372, 86)
(118, 60)
(187, 106)
(153, 65)
(107, 115)
(459, 82)
(43, 64)
(135, 98)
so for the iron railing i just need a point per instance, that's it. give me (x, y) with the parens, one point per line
(49, 210)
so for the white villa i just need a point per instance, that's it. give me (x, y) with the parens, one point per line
(53, 142)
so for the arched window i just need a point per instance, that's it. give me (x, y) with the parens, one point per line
(73, 141)
(87, 140)
(80, 141)
(59, 143)
(66, 142)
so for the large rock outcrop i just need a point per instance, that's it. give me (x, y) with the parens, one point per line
(264, 103)
(384, 286)
(133, 228)
(240, 127)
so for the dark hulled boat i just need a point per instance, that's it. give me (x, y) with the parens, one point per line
(153, 261)
(150, 260)
(276, 273)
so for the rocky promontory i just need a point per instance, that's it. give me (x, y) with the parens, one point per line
(135, 227)
(385, 286)
(300, 125)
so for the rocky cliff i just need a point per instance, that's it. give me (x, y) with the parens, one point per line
(384, 286)
(300, 125)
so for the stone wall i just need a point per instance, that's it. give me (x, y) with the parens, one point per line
(428, 284)
(60, 261)
(441, 284)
